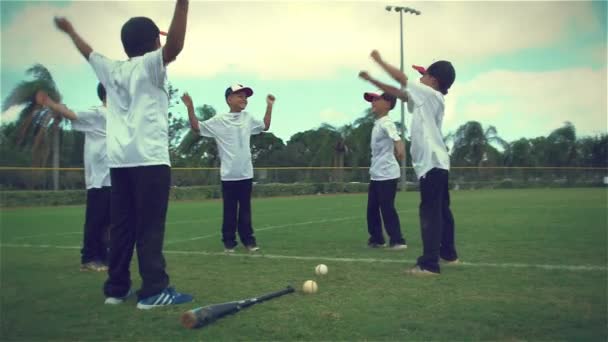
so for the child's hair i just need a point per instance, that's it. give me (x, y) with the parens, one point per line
(101, 92)
(139, 36)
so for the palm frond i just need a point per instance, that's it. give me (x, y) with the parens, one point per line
(188, 142)
(25, 91)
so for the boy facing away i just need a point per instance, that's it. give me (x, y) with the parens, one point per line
(430, 157)
(232, 133)
(137, 144)
(92, 123)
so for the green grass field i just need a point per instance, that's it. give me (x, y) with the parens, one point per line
(535, 269)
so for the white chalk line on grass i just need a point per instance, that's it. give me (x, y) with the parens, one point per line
(202, 237)
(258, 215)
(192, 221)
(45, 235)
(351, 260)
(261, 229)
(170, 242)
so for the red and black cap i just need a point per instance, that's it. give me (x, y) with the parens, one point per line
(443, 71)
(237, 88)
(371, 97)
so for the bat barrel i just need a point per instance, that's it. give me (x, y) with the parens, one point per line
(189, 319)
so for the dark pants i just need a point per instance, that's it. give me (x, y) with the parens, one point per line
(436, 220)
(237, 201)
(140, 196)
(96, 226)
(381, 199)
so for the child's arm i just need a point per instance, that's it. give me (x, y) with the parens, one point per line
(399, 150)
(268, 117)
(64, 25)
(384, 87)
(177, 32)
(395, 73)
(194, 125)
(43, 99)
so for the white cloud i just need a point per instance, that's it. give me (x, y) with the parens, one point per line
(526, 102)
(298, 39)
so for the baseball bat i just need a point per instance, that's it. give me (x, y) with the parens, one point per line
(200, 317)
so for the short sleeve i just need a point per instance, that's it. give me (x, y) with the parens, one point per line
(155, 68)
(391, 130)
(209, 128)
(102, 67)
(85, 120)
(257, 126)
(417, 95)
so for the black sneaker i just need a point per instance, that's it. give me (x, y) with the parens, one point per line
(376, 245)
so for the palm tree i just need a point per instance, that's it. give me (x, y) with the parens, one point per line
(473, 144)
(37, 125)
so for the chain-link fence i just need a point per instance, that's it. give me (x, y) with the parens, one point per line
(20, 178)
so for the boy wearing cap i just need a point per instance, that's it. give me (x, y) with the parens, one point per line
(92, 123)
(232, 133)
(384, 172)
(429, 157)
(137, 146)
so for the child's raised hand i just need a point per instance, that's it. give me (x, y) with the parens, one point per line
(63, 24)
(270, 99)
(376, 56)
(364, 75)
(187, 100)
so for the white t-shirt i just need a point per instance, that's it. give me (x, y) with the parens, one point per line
(232, 133)
(93, 123)
(428, 148)
(138, 104)
(384, 164)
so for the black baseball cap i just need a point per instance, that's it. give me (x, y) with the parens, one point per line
(370, 97)
(236, 88)
(137, 35)
(443, 71)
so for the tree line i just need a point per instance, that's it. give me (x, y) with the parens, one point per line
(32, 139)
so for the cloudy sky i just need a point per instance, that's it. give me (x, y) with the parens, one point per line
(524, 67)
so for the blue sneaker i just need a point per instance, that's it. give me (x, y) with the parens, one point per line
(168, 297)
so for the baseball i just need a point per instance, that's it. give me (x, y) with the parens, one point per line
(321, 269)
(310, 286)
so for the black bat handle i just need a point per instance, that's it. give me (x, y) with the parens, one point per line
(268, 296)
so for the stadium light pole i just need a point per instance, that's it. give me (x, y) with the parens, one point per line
(402, 10)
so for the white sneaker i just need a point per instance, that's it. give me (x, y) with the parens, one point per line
(398, 246)
(450, 262)
(117, 300)
(253, 248)
(418, 271)
(229, 250)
